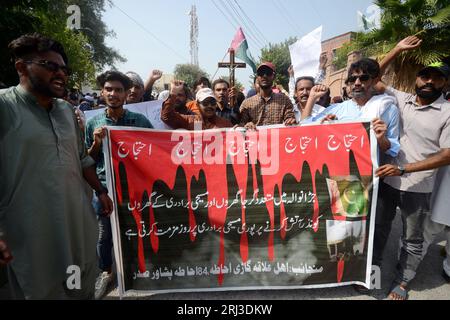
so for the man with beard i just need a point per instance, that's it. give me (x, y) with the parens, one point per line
(207, 119)
(408, 184)
(47, 225)
(380, 109)
(115, 88)
(267, 107)
(182, 100)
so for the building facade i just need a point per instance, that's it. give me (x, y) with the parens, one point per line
(335, 79)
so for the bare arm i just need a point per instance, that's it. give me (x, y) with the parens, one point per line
(91, 178)
(154, 76)
(316, 93)
(380, 128)
(96, 147)
(409, 43)
(438, 160)
(173, 118)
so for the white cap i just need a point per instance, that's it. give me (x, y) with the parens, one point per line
(89, 98)
(203, 94)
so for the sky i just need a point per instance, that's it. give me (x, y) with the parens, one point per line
(154, 34)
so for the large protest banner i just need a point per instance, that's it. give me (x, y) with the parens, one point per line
(289, 207)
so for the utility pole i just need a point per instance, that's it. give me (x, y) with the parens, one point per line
(194, 36)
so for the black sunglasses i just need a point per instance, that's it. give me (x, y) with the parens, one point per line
(51, 66)
(363, 77)
(264, 72)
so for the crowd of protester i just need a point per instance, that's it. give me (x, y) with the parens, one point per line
(50, 153)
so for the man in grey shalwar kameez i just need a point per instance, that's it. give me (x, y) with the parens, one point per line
(47, 224)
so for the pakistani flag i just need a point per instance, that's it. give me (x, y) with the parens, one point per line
(240, 47)
(348, 197)
(371, 19)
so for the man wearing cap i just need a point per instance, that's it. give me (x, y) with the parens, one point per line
(267, 107)
(140, 92)
(408, 183)
(207, 119)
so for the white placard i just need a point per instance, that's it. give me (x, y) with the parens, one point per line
(305, 54)
(150, 109)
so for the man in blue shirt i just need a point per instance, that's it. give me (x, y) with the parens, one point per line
(381, 110)
(365, 105)
(115, 88)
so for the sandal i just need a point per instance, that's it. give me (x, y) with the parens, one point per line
(398, 293)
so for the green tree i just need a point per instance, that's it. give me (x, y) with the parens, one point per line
(75, 46)
(279, 55)
(237, 84)
(94, 29)
(429, 19)
(189, 73)
(50, 18)
(341, 58)
(17, 17)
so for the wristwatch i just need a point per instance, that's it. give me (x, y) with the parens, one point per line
(402, 170)
(101, 191)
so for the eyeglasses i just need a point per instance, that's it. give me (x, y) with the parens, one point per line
(264, 72)
(363, 77)
(51, 66)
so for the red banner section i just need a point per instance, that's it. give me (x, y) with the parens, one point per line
(320, 173)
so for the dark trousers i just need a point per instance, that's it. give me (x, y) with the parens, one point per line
(105, 240)
(414, 208)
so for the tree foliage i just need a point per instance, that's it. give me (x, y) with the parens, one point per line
(189, 73)
(279, 55)
(50, 18)
(17, 17)
(428, 19)
(340, 60)
(94, 29)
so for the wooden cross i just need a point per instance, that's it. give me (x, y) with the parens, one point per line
(232, 65)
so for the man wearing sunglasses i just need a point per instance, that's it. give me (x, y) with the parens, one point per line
(47, 224)
(207, 119)
(267, 107)
(381, 110)
(408, 182)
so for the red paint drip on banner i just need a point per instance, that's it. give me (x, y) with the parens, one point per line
(295, 146)
(340, 270)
